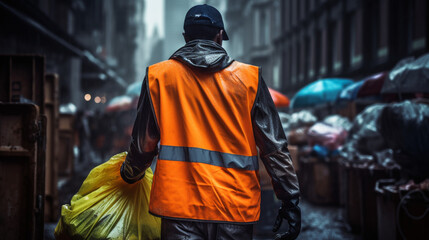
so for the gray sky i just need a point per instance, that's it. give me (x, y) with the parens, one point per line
(154, 17)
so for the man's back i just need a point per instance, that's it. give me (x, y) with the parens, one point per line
(207, 144)
(209, 114)
(210, 110)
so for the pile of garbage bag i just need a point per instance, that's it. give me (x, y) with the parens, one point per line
(405, 129)
(338, 121)
(284, 119)
(300, 119)
(391, 135)
(322, 138)
(405, 126)
(326, 137)
(296, 126)
(364, 142)
(298, 136)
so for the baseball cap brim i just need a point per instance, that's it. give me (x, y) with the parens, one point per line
(224, 35)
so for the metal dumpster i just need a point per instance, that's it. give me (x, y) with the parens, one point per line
(52, 146)
(319, 180)
(22, 78)
(401, 214)
(368, 176)
(66, 144)
(350, 195)
(21, 171)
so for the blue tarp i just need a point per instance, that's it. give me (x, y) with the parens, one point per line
(351, 91)
(319, 92)
(368, 88)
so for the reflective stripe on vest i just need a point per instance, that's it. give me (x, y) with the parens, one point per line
(190, 154)
(207, 167)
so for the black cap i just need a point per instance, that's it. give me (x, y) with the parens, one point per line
(205, 15)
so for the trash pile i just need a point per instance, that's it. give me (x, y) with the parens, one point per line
(392, 136)
(405, 129)
(341, 162)
(365, 144)
(317, 143)
(320, 139)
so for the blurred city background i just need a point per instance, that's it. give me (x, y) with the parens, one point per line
(340, 71)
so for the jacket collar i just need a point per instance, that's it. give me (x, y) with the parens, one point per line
(205, 55)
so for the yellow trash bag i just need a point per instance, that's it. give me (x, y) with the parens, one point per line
(106, 207)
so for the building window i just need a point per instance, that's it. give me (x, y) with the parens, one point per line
(302, 9)
(286, 75)
(262, 27)
(294, 12)
(312, 56)
(312, 4)
(337, 45)
(265, 24)
(324, 51)
(356, 38)
(380, 31)
(294, 63)
(302, 58)
(237, 43)
(287, 14)
(277, 18)
(257, 28)
(276, 72)
(417, 25)
(383, 41)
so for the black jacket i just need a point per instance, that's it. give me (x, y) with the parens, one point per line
(268, 132)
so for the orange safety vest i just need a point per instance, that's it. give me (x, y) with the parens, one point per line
(207, 167)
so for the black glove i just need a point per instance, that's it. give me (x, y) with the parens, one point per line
(292, 213)
(134, 167)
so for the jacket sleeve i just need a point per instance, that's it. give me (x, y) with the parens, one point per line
(144, 142)
(272, 143)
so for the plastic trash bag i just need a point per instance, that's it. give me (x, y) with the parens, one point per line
(364, 139)
(106, 207)
(325, 135)
(386, 158)
(409, 76)
(323, 153)
(338, 121)
(405, 128)
(298, 136)
(366, 132)
(302, 118)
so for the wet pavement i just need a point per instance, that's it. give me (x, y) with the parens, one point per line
(318, 222)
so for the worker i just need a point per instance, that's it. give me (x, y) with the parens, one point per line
(210, 115)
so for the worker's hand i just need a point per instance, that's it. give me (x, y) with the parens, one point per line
(292, 213)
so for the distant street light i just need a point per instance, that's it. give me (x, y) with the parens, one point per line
(97, 99)
(87, 97)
